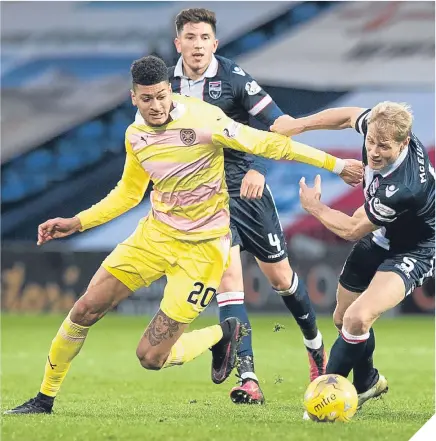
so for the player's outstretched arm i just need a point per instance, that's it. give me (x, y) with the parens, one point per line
(347, 227)
(230, 134)
(127, 194)
(57, 228)
(329, 119)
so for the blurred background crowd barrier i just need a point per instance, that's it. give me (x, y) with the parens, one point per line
(65, 107)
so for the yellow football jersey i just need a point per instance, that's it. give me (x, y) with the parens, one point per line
(184, 160)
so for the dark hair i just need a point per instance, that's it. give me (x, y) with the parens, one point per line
(195, 15)
(148, 71)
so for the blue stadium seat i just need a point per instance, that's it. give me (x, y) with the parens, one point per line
(69, 163)
(38, 159)
(93, 129)
(91, 150)
(68, 156)
(37, 182)
(281, 27)
(116, 130)
(13, 188)
(303, 12)
(252, 40)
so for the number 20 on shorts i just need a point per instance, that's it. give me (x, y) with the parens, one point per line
(206, 295)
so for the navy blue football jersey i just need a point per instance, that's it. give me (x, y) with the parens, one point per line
(401, 197)
(229, 87)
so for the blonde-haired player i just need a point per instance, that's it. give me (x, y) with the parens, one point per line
(177, 143)
(394, 230)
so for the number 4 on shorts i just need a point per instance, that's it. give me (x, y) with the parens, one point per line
(275, 241)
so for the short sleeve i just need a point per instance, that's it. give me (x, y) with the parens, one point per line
(361, 122)
(253, 98)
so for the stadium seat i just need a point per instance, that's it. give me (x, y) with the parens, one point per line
(252, 40)
(38, 160)
(303, 12)
(68, 156)
(115, 141)
(93, 129)
(13, 188)
(90, 150)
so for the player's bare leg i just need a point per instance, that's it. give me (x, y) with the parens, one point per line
(164, 344)
(385, 291)
(158, 339)
(294, 294)
(231, 303)
(344, 299)
(103, 293)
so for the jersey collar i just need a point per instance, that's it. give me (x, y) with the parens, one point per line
(211, 71)
(391, 168)
(176, 113)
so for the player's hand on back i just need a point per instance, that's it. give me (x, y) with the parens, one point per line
(352, 173)
(57, 228)
(288, 126)
(252, 185)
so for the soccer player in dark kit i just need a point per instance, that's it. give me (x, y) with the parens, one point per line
(394, 230)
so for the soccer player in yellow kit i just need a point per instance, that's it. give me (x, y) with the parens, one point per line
(177, 142)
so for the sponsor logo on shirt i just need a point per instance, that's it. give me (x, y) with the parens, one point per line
(383, 210)
(238, 71)
(391, 190)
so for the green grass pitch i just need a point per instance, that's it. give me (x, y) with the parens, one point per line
(108, 396)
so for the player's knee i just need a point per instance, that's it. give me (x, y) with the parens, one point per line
(280, 284)
(356, 322)
(151, 364)
(279, 274)
(149, 360)
(280, 280)
(85, 312)
(231, 281)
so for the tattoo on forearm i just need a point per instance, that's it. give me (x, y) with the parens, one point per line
(161, 328)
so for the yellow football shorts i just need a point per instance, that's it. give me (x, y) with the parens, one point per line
(193, 269)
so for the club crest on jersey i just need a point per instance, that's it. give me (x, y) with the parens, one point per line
(215, 89)
(187, 136)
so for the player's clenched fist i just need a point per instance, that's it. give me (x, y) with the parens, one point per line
(286, 125)
(352, 172)
(57, 228)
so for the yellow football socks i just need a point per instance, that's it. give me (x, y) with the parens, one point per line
(192, 344)
(64, 347)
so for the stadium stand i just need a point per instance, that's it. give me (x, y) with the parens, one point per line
(57, 141)
(70, 122)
